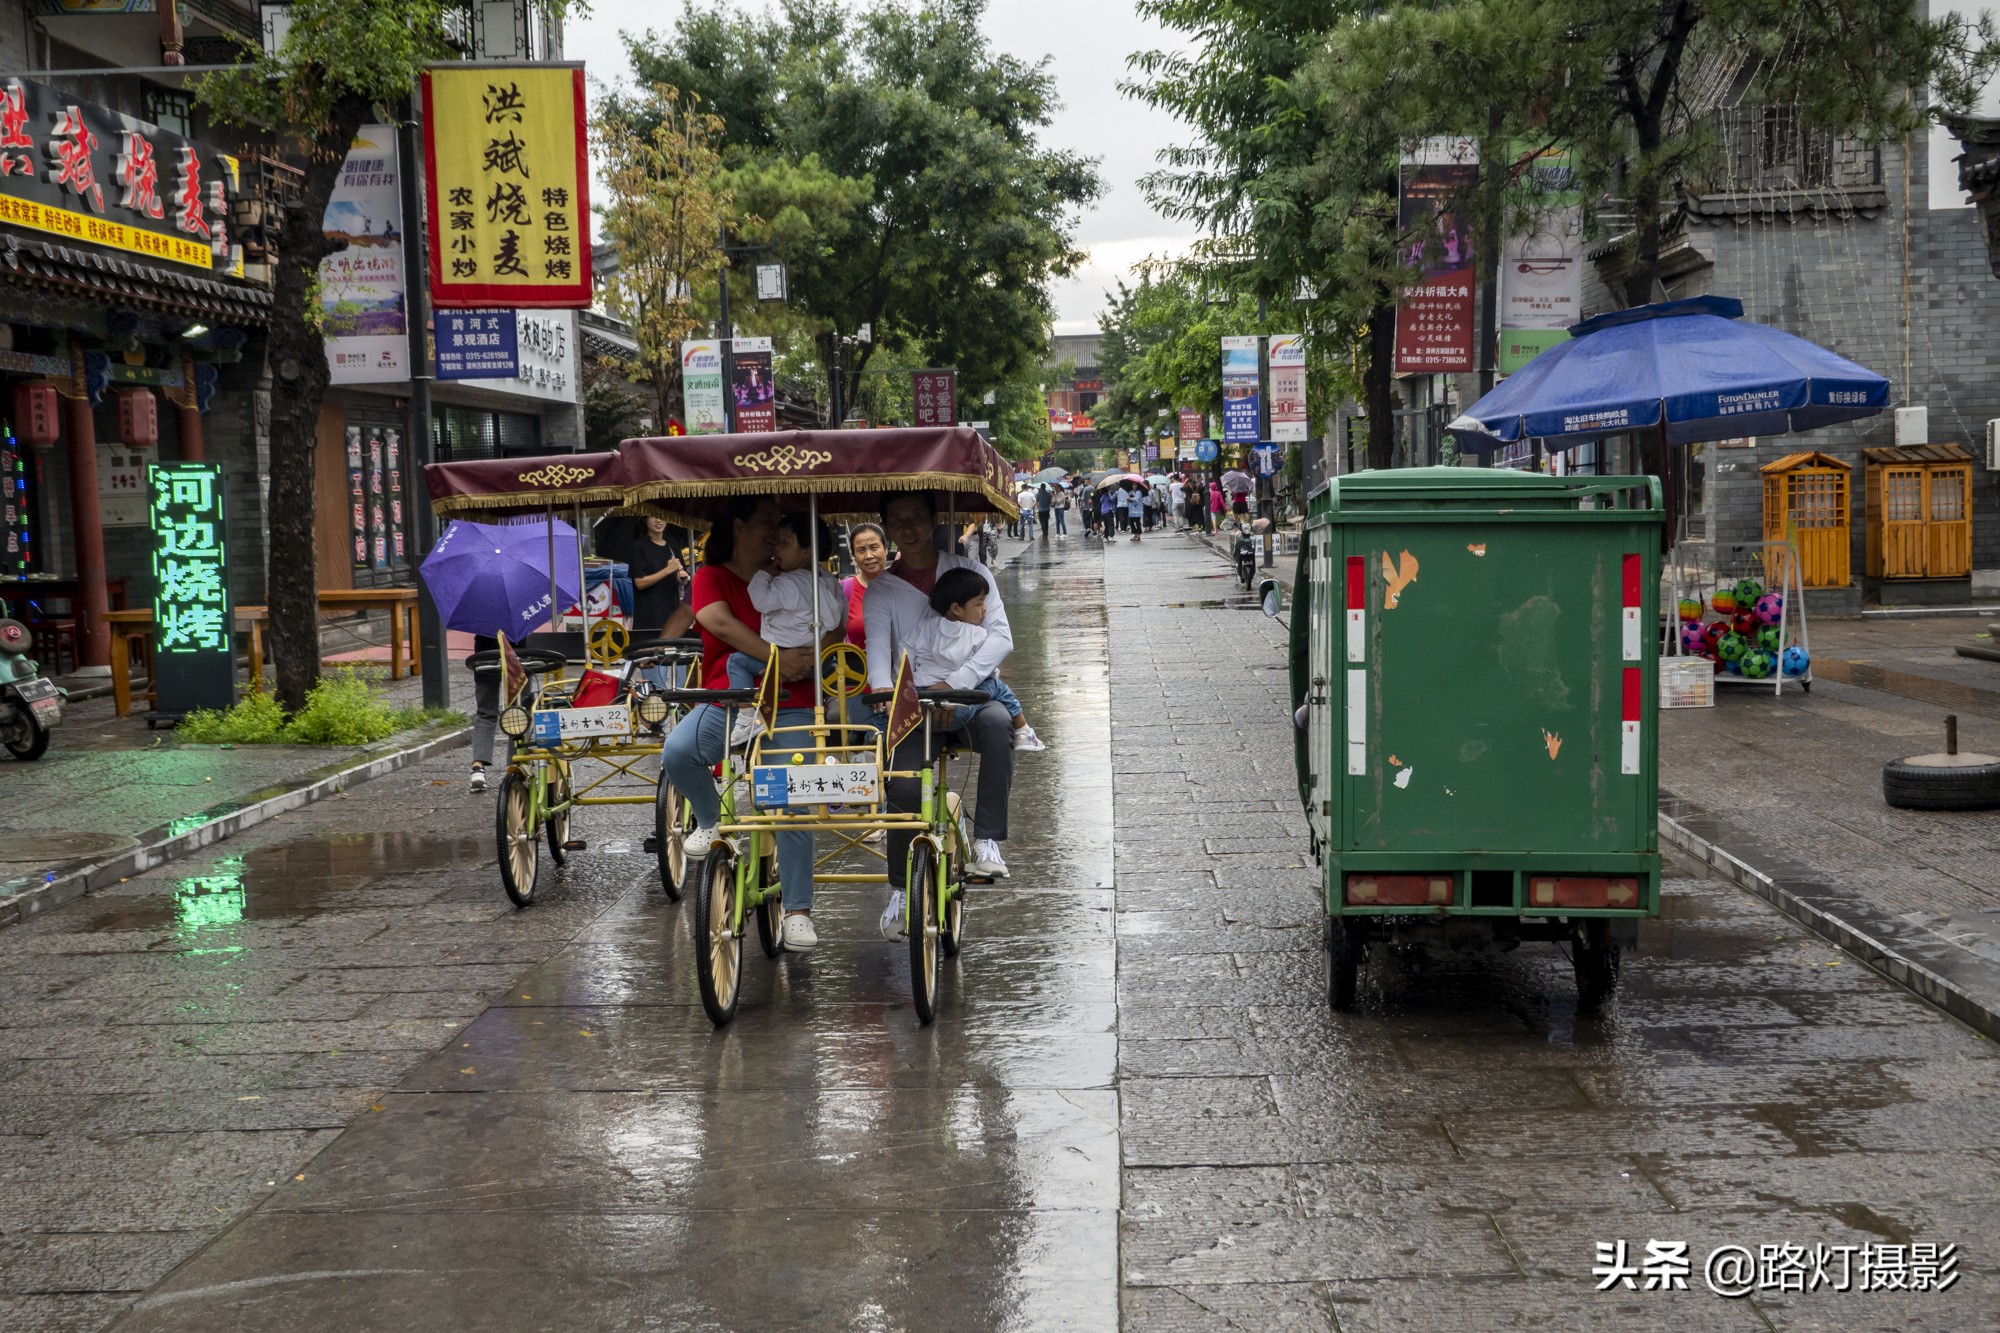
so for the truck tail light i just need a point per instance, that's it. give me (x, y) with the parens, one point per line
(1582, 892)
(1399, 890)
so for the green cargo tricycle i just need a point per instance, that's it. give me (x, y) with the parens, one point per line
(1474, 661)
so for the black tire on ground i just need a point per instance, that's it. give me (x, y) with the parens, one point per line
(718, 958)
(770, 912)
(1343, 963)
(558, 825)
(1927, 782)
(669, 832)
(520, 859)
(1594, 954)
(953, 937)
(924, 947)
(38, 740)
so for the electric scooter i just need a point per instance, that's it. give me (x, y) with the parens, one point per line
(30, 706)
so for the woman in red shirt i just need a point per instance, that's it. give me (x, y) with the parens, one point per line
(740, 544)
(870, 547)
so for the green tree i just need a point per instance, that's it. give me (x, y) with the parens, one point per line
(343, 64)
(665, 216)
(966, 219)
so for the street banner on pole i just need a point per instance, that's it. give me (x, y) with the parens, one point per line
(751, 385)
(508, 171)
(1241, 403)
(1541, 269)
(1190, 423)
(1434, 318)
(936, 395)
(361, 285)
(194, 657)
(701, 388)
(1288, 386)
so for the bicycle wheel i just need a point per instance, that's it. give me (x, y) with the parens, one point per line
(770, 912)
(923, 891)
(514, 832)
(718, 951)
(953, 934)
(671, 821)
(558, 824)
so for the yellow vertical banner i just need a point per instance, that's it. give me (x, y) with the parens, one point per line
(507, 165)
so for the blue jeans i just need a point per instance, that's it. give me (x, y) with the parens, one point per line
(695, 746)
(994, 689)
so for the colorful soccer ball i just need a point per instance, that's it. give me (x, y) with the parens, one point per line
(1758, 664)
(1770, 608)
(1796, 661)
(1771, 638)
(1711, 634)
(1748, 591)
(1690, 609)
(1733, 668)
(1691, 640)
(1724, 602)
(1732, 646)
(1745, 623)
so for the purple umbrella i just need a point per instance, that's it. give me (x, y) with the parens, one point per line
(494, 578)
(1238, 482)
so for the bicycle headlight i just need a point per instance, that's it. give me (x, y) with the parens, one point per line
(515, 721)
(652, 709)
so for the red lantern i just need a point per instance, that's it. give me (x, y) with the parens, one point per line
(36, 420)
(138, 418)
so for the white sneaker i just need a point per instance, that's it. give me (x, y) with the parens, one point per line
(986, 862)
(697, 843)
(749, 726)
(1025, 739)
(893, 928)
(798, 934)
(478, 781)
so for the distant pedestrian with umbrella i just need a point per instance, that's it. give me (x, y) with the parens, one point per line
(488, 579)
(1238, 484)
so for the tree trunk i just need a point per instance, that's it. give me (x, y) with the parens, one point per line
(1376, 385)
(297, 356)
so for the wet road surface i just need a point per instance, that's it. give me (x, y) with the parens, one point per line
(325, 1077)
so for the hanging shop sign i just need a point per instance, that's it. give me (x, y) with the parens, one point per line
(362, 290)
(138, 418)
(86, 173)
(1288, 386)
(375, 497)
(1434, 318)
(194, 661)
(1190, 423)
(1541, 267)
(750, 385)
(1242, 409)
(508, 168)
(543, 360)
(35, 415)
(936, 395)
(477, 344)
(702, 397)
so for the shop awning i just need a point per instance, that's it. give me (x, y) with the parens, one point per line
(76, 271)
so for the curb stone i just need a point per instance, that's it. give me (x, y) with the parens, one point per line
(1956, 980)
(67, 883)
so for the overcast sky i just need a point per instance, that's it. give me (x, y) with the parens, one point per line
(1088, 41)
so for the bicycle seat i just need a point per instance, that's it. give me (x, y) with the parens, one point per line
(692, 645)
(534, 661)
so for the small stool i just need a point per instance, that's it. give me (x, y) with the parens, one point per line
(51, 638)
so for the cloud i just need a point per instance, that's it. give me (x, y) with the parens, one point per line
(1080, 300)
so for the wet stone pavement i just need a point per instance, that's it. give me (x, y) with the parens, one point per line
(324, 1077)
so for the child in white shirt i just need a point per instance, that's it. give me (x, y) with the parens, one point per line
(784, 603)
(951, 639)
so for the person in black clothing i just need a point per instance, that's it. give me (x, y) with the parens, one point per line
(656, 581)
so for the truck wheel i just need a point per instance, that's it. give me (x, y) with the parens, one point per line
(1343, 963)
(1594, 954)
(1942, 782)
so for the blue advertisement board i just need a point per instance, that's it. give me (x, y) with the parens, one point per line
(1242, 390)
(477, 345)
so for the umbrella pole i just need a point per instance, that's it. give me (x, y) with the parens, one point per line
(812, 539)
(582, 583)
(550, 519)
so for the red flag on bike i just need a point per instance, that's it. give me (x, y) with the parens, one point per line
(514, 676)
(768, 690)
(904, 710)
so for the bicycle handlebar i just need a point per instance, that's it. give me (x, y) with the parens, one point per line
(534, 661)
(693, 697)
(873, 697)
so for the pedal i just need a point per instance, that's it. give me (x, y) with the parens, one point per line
(652, 847)
(576, 845)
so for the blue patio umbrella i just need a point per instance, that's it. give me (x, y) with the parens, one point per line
(1695, 367)
(490, 578)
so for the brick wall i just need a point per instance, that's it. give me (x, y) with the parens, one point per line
(1838, 281)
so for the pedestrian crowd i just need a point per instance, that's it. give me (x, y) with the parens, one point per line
(1127, 504)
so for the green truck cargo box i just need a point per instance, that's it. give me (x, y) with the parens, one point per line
(1474, 660)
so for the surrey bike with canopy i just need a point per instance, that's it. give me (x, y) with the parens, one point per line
(569, 698)
(832, 775)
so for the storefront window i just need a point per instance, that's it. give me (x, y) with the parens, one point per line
(471, 432)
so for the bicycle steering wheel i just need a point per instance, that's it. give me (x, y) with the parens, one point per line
(608, 640)
(845, 669)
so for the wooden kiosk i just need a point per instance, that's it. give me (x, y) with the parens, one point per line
(1919, 512)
